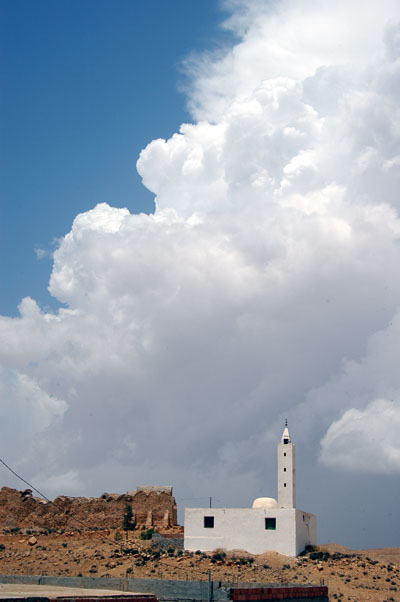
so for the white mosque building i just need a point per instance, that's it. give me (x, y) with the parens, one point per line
(269, 526)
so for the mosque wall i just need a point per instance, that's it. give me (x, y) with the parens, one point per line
(306, 530)
(246, 529)
(256, 530)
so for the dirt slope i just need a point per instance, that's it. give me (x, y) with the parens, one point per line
(361, 576)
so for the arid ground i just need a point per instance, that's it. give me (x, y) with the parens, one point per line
(361, 575)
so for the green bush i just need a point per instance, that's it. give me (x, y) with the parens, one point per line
(219, 556)
(130, 551)
(148, 534)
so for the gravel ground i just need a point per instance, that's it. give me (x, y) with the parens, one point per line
(356, 576)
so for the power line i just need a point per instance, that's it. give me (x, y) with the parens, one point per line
(26, 482)
(79, 522)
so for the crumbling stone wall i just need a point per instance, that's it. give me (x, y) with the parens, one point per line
(152, 507)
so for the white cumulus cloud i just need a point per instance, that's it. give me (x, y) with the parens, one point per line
(265, 284)
(365, 440)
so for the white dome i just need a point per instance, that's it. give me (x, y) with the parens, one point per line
(265, 502)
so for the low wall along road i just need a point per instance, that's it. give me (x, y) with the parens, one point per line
(182, 591)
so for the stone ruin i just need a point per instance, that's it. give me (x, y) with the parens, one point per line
(152, 506)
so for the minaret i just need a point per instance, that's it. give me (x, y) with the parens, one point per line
(286, 471)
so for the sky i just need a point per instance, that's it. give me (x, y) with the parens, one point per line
(200, 238)
(85, 86)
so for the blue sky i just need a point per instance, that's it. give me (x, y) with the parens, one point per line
(86, 85)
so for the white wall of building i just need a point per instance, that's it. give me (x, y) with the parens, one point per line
(306, 530)
(244, 529)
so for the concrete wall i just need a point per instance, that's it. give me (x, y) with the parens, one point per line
(241, 529)
(165, 590)
(178, 591)
(244, 529)
(306, 530)
(160, 542)
(182, 591)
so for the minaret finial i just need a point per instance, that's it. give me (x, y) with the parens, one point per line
(286, 422)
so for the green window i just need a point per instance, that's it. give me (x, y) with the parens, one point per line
(270, 524)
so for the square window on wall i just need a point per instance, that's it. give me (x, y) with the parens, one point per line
(270, 524)
(209, 522)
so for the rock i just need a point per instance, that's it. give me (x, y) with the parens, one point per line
(9, 522)
(151, 506)
(32, 541)
(149, 519)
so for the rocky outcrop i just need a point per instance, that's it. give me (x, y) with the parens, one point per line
(151, 506)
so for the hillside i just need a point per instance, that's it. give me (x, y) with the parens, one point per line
(367, 575)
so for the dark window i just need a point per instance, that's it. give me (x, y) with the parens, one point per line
(286, 441)
(270, 524)
(284, 470)
(284, 484)
(209, 522)
(284, 453)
